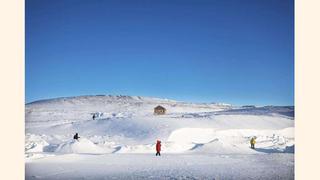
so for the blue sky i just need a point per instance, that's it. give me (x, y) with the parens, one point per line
(239, 52)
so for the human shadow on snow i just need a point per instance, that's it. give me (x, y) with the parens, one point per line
(288, 149)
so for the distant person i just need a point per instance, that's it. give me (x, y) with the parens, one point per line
(94, 117)
(253, 142)
(158, 148)
(76, 137)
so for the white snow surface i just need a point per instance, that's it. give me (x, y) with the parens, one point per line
(168, 166)
(125, 131)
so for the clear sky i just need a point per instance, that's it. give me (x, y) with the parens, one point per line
(232, 51)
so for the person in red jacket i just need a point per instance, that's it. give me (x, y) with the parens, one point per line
(158, 148)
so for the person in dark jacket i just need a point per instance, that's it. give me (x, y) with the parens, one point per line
(158, 148)
(76, 137)
(94, 117)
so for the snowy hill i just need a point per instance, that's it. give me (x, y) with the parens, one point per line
(127, 125)
(129, 121)
(65, 108)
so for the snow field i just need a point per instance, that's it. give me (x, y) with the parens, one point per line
(199, 141)
(168, 166)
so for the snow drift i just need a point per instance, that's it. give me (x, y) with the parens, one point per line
(82, 146)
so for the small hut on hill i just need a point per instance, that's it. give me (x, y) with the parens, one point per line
(159, 110)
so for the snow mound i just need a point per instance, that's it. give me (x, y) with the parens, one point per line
(192, 135)
(204, 140)
(82, 146)
(217, 146)
(176, 147)
(34, 143)
(217, 141)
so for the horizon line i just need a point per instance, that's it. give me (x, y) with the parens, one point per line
(185, 101)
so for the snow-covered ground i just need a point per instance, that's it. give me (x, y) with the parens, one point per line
(199, 141)
(168, 166)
